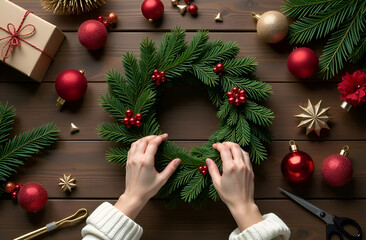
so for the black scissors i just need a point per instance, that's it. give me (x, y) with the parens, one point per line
(335, 225)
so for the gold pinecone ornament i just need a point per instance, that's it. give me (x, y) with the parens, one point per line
(67, 183)
(272, 26)
(71, 7)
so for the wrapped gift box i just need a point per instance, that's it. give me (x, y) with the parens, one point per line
(31, 54)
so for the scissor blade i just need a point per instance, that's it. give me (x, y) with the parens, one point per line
(313, 209)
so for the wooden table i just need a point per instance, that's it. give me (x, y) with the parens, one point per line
(82, 154)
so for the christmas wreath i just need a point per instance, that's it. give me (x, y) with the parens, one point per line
(232, 88)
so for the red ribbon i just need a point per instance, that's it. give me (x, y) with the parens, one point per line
(16, 36)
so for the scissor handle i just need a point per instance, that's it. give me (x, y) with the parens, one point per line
(341, 222)
(332, 229)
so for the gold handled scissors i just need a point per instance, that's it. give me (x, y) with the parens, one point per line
(54, 225)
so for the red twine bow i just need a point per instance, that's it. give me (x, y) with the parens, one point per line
(16, 36)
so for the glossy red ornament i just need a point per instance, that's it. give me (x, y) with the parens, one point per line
(337, 169)
(92, 34)
(187, 1)
(153, 10)
(18, 187)
(302, 62)
(192, 9)
(70, 85)
(9, 187)
(297, 166)
(112, 18)
(32, 197)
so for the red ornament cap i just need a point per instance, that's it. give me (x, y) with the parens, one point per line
(70, 85)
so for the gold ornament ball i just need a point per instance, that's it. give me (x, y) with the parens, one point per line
(272, 26)
(112, 17)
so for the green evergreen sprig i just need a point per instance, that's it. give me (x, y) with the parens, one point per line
(14, 151)
(190, 63)
(343, 22)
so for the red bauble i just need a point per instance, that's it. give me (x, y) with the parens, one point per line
(337, 170)
(92, 34)
(192, 9)
(32, 197)
(152, 9)
(297, 166)
(71, 84)
(14, 195)
(9, 187)
(302, 62)
(18, 187)
(112, 18)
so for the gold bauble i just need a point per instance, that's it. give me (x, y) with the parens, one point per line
(272, 26)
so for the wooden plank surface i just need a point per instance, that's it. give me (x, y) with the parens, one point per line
(189, 118)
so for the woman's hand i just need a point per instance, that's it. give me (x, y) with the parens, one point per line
(142, 179)
(236, 185)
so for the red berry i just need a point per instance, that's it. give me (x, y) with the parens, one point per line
(242, 99)
(156, 72)
(128, 126)
(236, 95)
(193, 9)
(204, 172)
(205, 167)
(138, 123)
(235, 90)
(242, 92)
(9, 187)
(105, 23)
(220, 67)
(214, 70)
(132, 121)
(237, 102)
(158, 77)
(126, 120)
(231, 100)
(187, 1)
(14, 195)
(18, 187)
(157, 82)
(129, 113)
(100, 19)
(163, 79)
(153, 77)
(138, 116)
(229, 94)
(200, 168)
(162, 73)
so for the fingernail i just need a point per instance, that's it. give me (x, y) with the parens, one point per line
(177, 162)
(208, 162)
(164, 134)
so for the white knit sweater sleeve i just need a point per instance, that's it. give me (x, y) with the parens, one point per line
(109, 223)
(271, 228)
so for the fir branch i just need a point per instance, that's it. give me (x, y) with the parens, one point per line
(302, 8)
(114, 106)
(318, 26)
(213, 193)
(242, 131)
(172, 44)
(240, 66)
(117, 133)
(148, 61)
(145, 102)
(257, 114)
(6, 121)
(262, 133)
(119, 88)
(24, 146)
(205, 74)
(194, 187)
(117, 155)
(220, 53)
(215, 96)
(132, 72)
(359, 51)
(341, 44)
(257, 151)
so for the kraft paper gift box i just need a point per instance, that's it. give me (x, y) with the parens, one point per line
(30, 53)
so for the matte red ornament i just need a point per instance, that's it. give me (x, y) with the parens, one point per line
(32, 197)
(192, 9)
(9, 187)
(92, 34)
(337, 169)
(297, 166)
(302, 62)
(70, 85)
(153, 10)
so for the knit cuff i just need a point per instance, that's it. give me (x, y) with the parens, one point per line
(272, 227)
(113, 224)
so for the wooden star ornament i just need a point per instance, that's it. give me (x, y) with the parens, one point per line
(314, 118)
(67, 183)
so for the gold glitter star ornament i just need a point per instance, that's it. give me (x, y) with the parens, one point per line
(314, 118)
(67, 183)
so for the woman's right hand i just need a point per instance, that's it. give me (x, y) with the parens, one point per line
(236, 184)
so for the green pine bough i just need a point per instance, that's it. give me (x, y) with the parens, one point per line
(342, 22)
(14, 151)
(193, 64)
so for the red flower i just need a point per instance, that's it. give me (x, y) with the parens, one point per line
(353, 88)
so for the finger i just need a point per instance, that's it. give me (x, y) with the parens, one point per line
(133, 147)
(235, 151)
(143, 142)
(247, 160)
(169, 170)
(213, 170)
(153, 144)
(226, 156)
